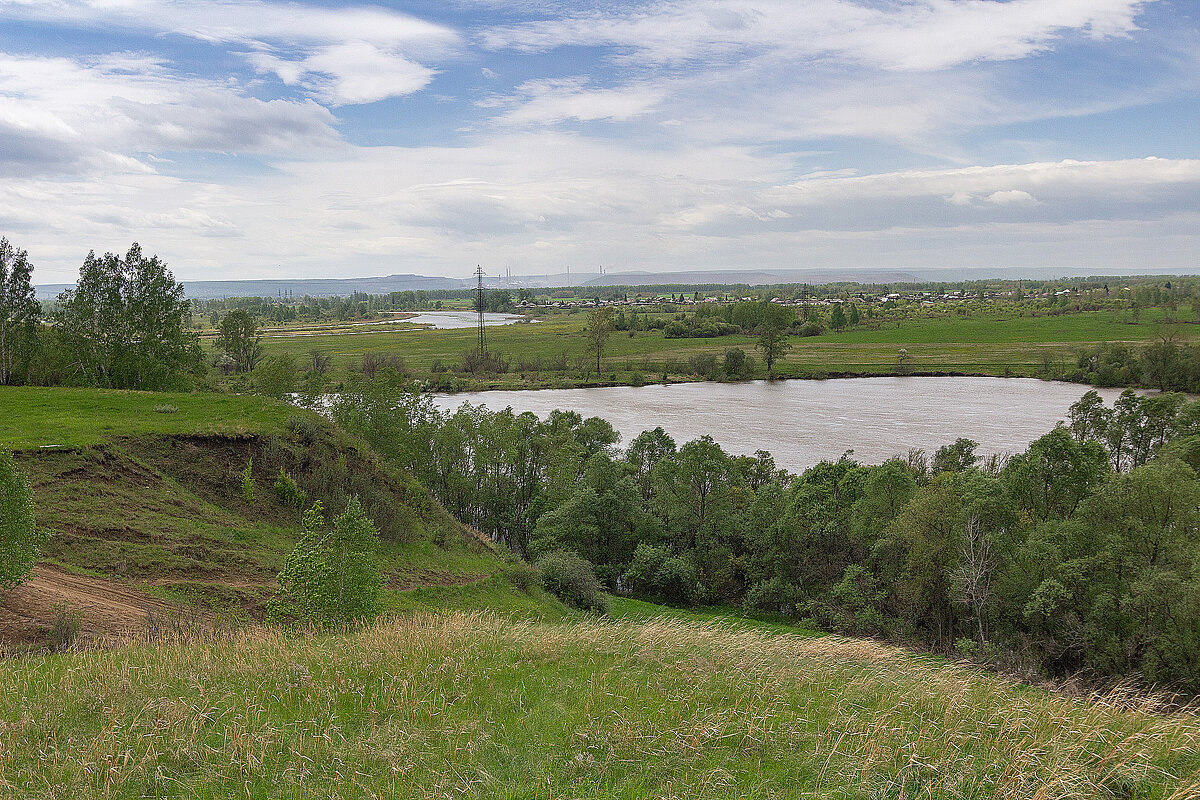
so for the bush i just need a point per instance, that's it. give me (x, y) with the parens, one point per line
(333, 576)
(246, 483)
(20, 541)
(166, 409)
(654, 572)
(573, 580)
(276, 377)
(523, 576)
(288, 491)
(65, 630)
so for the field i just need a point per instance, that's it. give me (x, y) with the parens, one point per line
(552, 352)
(47, 417)
(455, 704)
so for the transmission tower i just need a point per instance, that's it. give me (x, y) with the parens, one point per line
(479, 303)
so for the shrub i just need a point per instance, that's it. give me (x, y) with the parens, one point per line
(65, 630)
(523, 576)
(333, 576)
(166, 409)
(654, 572)
(20, 541)
(573, 580)
(277, 377)
(246, 483)
(288, 491)
(304, 428)
(811, 329)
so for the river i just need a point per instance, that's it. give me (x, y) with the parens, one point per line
(462, 319)
(802, 422)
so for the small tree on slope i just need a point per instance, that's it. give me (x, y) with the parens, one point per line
(333, 575)
(20, 540)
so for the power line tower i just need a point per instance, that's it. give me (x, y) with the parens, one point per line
(479, 303)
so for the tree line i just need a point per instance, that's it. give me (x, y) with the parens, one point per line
(124, 325)
(1080, 554)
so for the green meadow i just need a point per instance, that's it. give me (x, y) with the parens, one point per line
(552, 351)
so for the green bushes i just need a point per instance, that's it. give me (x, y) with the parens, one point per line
(523, 576)
(20, 541)
(573, 580)
(654, 572)
(333, 576)
(246, 483)
(288, 491)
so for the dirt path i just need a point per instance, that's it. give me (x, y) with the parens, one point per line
(107, 610)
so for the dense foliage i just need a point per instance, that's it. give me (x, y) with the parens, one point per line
(125, 324)
(20, 540)
(333, 575)
(19, 313)
(1079, 554)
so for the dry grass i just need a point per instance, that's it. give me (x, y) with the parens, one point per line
(474, 705)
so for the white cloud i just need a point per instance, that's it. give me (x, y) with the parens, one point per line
(248, 22)
(914, 35)
(1011, 197)
(342, 56)
(583, 201)
(546, 101)
(59, 115)
(349, 74)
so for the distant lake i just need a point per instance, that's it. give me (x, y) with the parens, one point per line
(462, 319)
(802, 422)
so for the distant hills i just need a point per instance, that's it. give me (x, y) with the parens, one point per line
(340, 287)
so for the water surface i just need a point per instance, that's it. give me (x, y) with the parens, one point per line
(462, 319)
(802, 421)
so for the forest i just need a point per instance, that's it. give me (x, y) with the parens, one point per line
(1078, 556)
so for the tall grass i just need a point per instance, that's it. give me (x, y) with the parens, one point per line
(475, 705)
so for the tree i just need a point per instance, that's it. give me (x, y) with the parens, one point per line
(735, 363)
(957, 457)
(333, 575)
(238, 338)
(854, 316)
(19, 310)
(772, 338)
(277, 377)
(837, 318)
(20, 540)
(125, 324)
(599, 328)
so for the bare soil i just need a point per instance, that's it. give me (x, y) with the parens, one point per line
(108, 611)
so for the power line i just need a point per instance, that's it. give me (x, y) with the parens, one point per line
(479, 300)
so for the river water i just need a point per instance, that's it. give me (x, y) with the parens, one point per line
(462, 319)
(802, 422)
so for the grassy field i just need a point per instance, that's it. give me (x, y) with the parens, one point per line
(552, 352)
(453, 705)
(41, 417)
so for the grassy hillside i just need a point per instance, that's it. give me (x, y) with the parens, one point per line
(36, 417)
(474, 705)
(153, 501)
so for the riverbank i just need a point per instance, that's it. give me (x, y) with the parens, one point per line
(553, 354)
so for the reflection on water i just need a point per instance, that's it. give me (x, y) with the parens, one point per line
(803, 422)
(462, 319)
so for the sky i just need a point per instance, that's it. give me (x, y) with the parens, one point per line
(244, 139)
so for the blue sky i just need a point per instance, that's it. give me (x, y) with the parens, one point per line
(253, 139)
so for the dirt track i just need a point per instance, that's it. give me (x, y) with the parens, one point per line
(108, 610)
